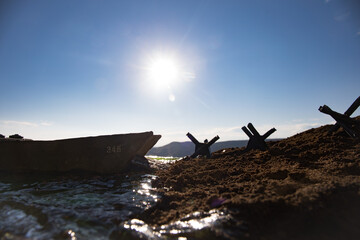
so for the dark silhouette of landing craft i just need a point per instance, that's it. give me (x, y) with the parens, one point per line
(350, 125)
(202, 149)
(101, 154)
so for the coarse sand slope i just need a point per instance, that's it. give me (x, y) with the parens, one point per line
(304, 187)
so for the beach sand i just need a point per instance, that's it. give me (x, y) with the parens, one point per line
(304, 187)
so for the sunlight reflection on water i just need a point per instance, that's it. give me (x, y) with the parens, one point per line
(71, 207)
(87, 207)
(188, 224)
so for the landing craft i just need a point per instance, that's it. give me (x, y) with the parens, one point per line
(100, 154)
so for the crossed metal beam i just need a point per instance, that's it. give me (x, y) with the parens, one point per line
(256, 140)
(350, 125)
(202, 149)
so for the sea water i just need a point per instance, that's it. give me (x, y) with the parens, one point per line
(80, 206)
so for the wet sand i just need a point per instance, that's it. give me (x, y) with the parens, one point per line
(304, 187)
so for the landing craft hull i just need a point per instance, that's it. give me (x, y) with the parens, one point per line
(102, 154)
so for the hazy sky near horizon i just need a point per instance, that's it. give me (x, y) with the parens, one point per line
(91, 67)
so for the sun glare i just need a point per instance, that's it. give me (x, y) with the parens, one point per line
(163, 72)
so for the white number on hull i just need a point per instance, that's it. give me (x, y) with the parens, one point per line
(114, 149)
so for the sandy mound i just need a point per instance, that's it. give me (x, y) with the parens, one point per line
(305, 186)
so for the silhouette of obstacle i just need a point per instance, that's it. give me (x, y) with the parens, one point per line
(202, 149)
(350, 125)
(256, 141)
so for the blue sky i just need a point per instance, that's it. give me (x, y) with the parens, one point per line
(80, 68)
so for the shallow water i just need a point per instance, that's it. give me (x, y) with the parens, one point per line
(82, 207)
(87, 207)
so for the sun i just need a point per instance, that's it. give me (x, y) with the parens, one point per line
(163, 72)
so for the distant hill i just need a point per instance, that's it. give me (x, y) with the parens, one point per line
(181, 149)
(175, 149)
